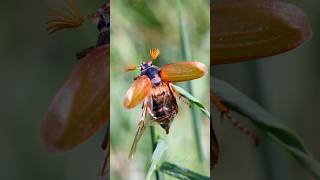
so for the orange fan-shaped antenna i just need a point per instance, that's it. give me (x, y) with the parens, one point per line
(154, 53)
(69, 17)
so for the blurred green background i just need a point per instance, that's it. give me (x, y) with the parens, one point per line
(33, 67)
(287, 85)
(137, 26)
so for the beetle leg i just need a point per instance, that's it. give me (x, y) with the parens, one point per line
(150, 106)
(225, 113)
(105, 166)
(105, 141)
(214, 149)
(143, 115)
(181, 98)
(243, 129)
(106, 147)
(185, 100)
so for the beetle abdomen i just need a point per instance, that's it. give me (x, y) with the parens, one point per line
(164, 103)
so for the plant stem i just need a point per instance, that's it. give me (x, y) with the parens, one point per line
(154, 141)
(271, 161)
(186, 53)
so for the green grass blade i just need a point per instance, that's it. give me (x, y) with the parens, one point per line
(154, 140)
(278, 132)
(156, 157)
(306, 160)
(185, 49)
(180, 172)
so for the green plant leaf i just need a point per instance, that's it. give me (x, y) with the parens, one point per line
(193, 100)
(180, 172)
(250, 29)
(156, 157)
(278, 132)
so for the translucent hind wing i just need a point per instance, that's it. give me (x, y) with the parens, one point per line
(139, 133)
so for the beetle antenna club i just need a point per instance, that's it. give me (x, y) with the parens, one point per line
(154, 53)
(131, 68)
(69, 17)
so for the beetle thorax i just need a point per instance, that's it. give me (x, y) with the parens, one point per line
(152, 72)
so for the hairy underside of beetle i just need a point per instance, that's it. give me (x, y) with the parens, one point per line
(164, 105)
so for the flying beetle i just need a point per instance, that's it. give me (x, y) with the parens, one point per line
(81, 106)
(153, 87)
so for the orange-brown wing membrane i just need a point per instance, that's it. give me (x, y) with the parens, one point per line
(81, 105)
(137, 92)
(182, 71)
